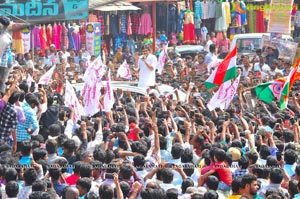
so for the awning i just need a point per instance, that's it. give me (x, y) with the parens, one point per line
(151, 1)
(114, 6)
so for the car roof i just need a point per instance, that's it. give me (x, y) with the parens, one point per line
(132, 87)
(256, 35)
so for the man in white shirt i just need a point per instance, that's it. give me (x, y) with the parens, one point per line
(262, 67)
(210, 57)
(146, 64)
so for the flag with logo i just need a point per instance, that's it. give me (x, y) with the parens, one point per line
(92, 86)
(29, 80)
(162, 58)
(71, 100)
(268, 91)
(224, 72)
(223, 97)
(45, 79)
(108, 100)
(286, 89)
(124, 71)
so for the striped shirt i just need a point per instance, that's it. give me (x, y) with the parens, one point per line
(8, 122)
(31, 122)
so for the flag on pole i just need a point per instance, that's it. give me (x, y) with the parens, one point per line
(290, 80)
(92, 85)
(223, 97)
(162, 58)
(71, 100)
(29, 80)
(124, 71)
(224, 72)
(45, 79)
(268, 91)
(108, 100)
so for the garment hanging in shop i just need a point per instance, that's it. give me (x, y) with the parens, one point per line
(17, 42)
(189, 28)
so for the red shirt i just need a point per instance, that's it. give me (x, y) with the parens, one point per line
(224, 173)
(72, 179)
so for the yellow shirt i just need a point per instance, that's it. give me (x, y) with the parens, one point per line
(233, 197)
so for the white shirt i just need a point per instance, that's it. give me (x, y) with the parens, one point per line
(25, 192)
(264, 69)
(208, 43)
(146, 76)
(167, 186)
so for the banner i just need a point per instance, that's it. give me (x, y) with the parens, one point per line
(280, 16)
(124, 71)
(26, 39)
(46, 10)
(161, 59)
(287, 49)
(45, 79)
(93, 38)
(108, 100)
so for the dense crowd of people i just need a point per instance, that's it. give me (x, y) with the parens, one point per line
(153, 146)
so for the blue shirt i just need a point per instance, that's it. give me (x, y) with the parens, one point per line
(31, 122)
(58, 187)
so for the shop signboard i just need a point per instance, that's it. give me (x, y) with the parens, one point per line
(45, 10)
(93, 38)
(280, 16)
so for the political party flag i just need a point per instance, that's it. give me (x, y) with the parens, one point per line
(29, 80)
(290, 80)
(45, 79)
(268, 91)
(71, 100)
(162, 58)
(108, 100)
(92, 86)
(124, 71)
(223, 97)
(224, 72)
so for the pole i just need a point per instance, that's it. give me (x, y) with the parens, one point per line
(154, 25)
(167, 19)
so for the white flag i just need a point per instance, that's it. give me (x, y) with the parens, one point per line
(109, 95)
(45, 79)
(161, 59)
(223, 97)
(29, 80)
(92, 87)
(124, 71)
(94, 71)
(71, 100)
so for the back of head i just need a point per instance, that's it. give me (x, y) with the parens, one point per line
(86, 170)
(70, 193)
(39, 185)
(85, 183)
(172, 193)
(12, 189)
(11, 174)
(212, 48)
(212, 182)
(276, 175)
(106, 191)
(30, 176)
(14, 97)
(211, 194)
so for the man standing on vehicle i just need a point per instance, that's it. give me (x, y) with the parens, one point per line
(146, 64)
(210, 57)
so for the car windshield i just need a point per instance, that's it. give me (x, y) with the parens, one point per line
(248, 45)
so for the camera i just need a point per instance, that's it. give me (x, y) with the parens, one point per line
(119, 108)
(108, 176)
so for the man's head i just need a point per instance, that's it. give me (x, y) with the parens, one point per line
(12, 189)
(146, 50)
(250, 184)
(83, 185)
(212, 48)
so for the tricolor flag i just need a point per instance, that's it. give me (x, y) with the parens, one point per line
(45, 79)
(71, 100)
(290, 80)
(161, 59)
(224, 72)
(108, 100)
(223, 97)
(268, 91)
(124, 71)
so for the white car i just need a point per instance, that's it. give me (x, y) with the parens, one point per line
(132, 87)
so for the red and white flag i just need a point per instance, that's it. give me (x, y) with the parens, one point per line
(223, 97)
(108, 100)
(162, 58)
(92, 86)
(29, 80)
(71, 100)
(45, 79)
(124, 71)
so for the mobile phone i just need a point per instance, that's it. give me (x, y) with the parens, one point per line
(173, 134)
(152, 87)
(108, 176)
(192, 113)
(169, 165)
(119, 108)
(40, 85)
(292, 121)
(278, 156)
